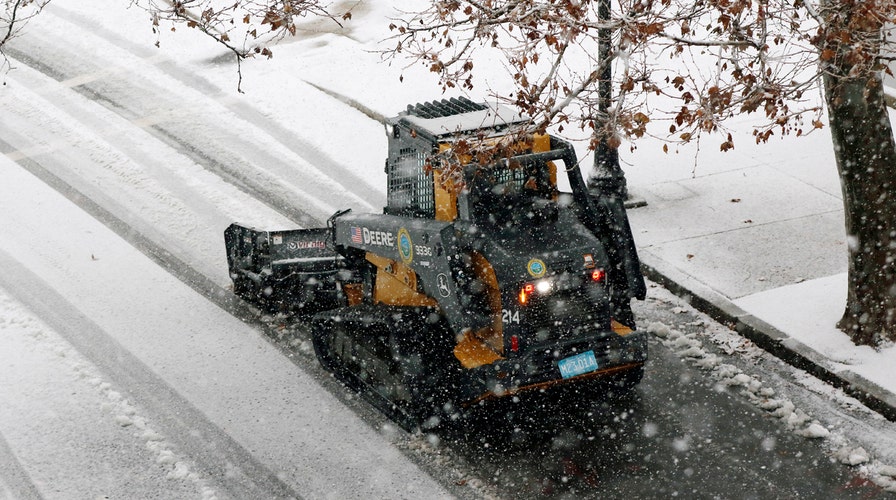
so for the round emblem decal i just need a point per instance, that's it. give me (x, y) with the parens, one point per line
(536, 268)
(444, 291)
(405, 246)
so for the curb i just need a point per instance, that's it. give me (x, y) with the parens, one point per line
(764, 335)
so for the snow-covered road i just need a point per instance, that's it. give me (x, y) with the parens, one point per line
(118, 335)
(175, 368)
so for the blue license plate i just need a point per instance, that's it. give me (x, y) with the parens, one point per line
(578, 364)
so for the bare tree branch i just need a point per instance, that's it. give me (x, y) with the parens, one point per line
(761, 53)
(13, 18)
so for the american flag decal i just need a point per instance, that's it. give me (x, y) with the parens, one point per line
(356, 235)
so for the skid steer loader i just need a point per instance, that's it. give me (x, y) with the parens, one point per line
(480, 279)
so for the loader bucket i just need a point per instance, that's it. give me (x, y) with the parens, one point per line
(282, 271)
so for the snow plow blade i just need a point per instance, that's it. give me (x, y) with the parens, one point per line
(280, 271)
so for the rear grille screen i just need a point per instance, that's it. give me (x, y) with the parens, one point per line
(410, 186)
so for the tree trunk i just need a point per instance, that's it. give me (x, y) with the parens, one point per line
(866, 160)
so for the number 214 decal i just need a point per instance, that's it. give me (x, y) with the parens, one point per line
(510, 316)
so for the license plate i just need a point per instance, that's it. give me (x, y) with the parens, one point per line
(578, 364)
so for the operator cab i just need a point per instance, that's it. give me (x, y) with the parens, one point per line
(508, 195)
(498, 191)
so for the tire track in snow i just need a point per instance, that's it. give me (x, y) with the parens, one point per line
(257, 169)
(203, 440)
(14, 480)
(158, 253)
(209, 447)
(156, 190)
(289, 139)
(111, 438)
(257, 183)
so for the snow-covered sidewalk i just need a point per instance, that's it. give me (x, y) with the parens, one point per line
(755, 236)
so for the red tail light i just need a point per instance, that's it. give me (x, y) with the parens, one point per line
(597, 275)
(514, 343)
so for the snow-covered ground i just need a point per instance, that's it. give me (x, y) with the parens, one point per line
(100, 342)
(809, 312)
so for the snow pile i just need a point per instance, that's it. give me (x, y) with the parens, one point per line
(690, 348)
(885, 477)
(727, 375)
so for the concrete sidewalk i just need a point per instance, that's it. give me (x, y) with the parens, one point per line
(731, 231)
